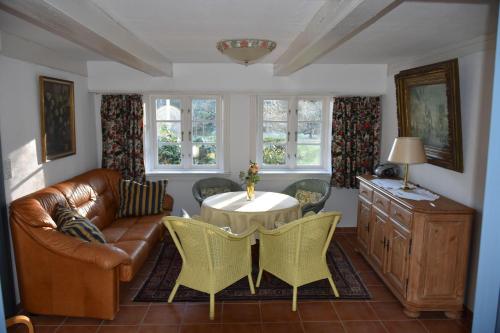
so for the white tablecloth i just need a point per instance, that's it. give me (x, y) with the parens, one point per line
(232, 209)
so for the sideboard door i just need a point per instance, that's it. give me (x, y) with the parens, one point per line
(364, 216)
(377, 245)
(444, 258)
(397, 257)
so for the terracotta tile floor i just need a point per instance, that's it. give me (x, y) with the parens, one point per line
(380, 314)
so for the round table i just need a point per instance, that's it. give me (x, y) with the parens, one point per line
(234, 210)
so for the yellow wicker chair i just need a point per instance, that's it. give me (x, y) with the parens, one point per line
(212, 259)
(296, 252)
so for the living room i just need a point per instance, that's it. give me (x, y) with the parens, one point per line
(322, 97)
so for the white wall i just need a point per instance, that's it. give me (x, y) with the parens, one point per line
(20, 128)
(238, 84)
(476, 75)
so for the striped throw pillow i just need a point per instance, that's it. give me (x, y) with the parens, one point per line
(71, 223)
(141, 199)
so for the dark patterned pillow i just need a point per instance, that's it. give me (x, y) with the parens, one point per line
(71, 223)
(209, 191)
(141, 199)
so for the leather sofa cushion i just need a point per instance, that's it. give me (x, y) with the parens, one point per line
(114, 234)
(149, 232)
(148, 228)
(135, 236)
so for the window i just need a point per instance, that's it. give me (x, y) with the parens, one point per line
(293, 132)
(186, 132)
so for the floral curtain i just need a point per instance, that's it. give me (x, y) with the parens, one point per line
(355, 139)
(122, 135)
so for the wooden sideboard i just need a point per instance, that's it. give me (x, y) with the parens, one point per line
(420, 249)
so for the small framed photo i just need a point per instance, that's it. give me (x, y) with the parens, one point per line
(57, 114)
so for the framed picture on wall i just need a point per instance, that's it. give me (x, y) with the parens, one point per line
(428, 100)
(57, 114)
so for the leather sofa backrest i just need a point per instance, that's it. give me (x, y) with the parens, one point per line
(93, 194)
(37, 209)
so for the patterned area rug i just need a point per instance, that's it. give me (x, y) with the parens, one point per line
(161, 280)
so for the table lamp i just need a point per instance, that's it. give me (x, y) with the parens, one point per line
(407, 150)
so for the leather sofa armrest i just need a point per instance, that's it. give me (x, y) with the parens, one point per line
(105, 256)
(168, 203)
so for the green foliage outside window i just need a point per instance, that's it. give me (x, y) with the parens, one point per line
(167, 153)
(274, 154)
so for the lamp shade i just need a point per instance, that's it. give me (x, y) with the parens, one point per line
(407, 150)
(246, 51)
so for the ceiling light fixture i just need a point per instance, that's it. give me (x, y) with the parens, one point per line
(245, 51)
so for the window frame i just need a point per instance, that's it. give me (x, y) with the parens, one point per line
(292, 133)
(186, 143)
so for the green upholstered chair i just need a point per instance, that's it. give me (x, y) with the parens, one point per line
(319, 186)
(296, 252)
(212, 259)
(204, 188)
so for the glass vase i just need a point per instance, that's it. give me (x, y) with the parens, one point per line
(250, 191)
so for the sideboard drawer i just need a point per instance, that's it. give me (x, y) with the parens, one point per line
(365, 191)
(401, 215)
(381, 202)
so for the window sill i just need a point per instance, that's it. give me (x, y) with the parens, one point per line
(185, 174)
(296, 171)
(293, 175)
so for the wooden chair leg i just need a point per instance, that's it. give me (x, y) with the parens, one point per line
(20, 320)
(259, 277)
(212, 306)
(294, 301)
(335, 291)
(250, 282)
(173, 292)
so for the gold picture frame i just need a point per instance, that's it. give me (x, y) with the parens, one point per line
(57, 118)
(428, 99)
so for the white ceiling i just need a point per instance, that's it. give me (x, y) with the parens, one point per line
(20, 28)
(187, 30)
(415, 28)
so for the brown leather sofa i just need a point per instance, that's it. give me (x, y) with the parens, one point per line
(63, 275)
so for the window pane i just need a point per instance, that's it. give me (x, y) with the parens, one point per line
(168, 109)
(275, 109)
(309, 132)
(169, 154)
(204, 132)
(308, 154)
(275, 132)
(204, 154)
(169, 132)
(204, 109)
(274, 154)
(310, 110)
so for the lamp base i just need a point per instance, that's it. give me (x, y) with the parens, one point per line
(405, 188)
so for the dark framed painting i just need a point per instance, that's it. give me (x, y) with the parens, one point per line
(428, 99)
(57, 114)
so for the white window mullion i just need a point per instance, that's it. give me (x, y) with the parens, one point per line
(292, 121)
(289, 153)
(219, 131)
(327, 133)
(186, 148)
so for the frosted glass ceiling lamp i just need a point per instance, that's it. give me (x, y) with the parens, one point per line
(407, 150)
(245, 51)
